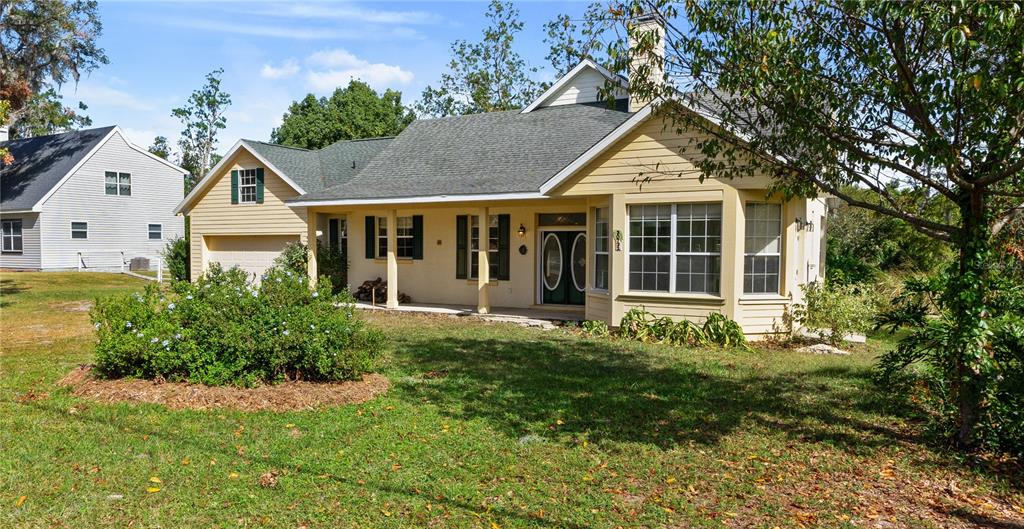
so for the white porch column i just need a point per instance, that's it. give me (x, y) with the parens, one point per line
(483, 272)
(617, 269)
(733, 227)
(311, 266)
(392, 259)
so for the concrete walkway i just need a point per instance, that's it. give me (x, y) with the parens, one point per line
(530, 317)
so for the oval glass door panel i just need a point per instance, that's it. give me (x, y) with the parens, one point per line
(579, 262)
(552, 259)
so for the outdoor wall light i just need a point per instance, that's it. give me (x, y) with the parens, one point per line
(522, 231)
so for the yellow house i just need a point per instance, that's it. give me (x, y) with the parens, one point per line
(541, 208)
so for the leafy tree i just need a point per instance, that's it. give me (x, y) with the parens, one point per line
(863, 243)
(353, 112)
(160, 147)
(44, 43)
(203, 117)
(485, 76)
(594, 37)
(832, 93)
(45, 113)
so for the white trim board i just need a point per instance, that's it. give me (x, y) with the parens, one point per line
(415, 200)
(208, 179)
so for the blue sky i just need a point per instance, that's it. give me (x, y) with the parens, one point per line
(274, 53)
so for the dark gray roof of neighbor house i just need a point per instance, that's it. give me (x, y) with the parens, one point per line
(313, 170)
(40, 163)
(497, 152)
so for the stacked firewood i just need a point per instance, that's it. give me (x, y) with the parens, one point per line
(377, 289)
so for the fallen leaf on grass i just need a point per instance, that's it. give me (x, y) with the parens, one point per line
(155, 479)
(21, 501)
(268, 480)
(151, 490)
(233, 475)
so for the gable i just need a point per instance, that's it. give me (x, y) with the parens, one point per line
(213, 212)
(650, 158)
(583, 88)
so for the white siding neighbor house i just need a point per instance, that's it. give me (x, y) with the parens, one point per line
(87, 199)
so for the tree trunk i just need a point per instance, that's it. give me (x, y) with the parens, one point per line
(967, 294)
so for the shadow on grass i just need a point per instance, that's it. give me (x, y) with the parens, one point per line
(9, 287)
(603, 390)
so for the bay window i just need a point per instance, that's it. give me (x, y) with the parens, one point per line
(762, 248)
(675, 248)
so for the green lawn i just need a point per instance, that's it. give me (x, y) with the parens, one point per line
(486, 425)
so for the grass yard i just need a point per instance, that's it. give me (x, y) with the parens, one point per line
(486, 425)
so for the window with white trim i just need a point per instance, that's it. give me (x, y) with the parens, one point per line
(247, 186)
(156, 232)
(492, 246)
(116, 183)
(10, 230)
(675, 248)
(762, 248)
(601, 245)
(404, 238)
(79, 230)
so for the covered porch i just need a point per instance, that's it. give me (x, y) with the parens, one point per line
(449, 260)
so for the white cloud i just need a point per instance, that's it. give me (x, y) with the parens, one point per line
(333, 68)
(351, 13)
(287, 70)
(302, 32)
(96, 95)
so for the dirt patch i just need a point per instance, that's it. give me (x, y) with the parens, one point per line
(72, 306)
(287, 396)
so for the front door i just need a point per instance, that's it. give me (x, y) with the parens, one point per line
(563, 267)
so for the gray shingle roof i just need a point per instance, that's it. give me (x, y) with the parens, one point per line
(40, 162)
(313, 170)
(498, 152)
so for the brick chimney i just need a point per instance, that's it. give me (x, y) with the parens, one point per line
(645, 68)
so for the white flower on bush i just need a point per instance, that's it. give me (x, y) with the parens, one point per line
(279, 280)
(97, 325)
(170, 306)
(154, 340)
(254, 293)
(139, 334)
(188, 296)
(127, 325)
(285, 332)
(165, 342)
(177, 336)
(316, 294)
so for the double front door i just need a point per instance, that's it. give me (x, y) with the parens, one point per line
(563, 266)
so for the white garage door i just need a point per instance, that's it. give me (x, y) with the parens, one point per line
(254, 254)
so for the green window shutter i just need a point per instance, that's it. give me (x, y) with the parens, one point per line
(259, 185)
(417, 236)
(371, 236)
(332, 234)
(503, 247)
(234, 187)
(461, 242)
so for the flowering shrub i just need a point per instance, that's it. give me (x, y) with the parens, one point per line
(221, 330)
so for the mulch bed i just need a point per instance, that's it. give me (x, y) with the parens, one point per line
(286, 396)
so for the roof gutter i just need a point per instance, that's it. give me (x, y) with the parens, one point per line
(415, 200)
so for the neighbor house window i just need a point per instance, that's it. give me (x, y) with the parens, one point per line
(492, 246)
(156, 232)
(247, 186)
(404, 238)
(762, 248)
(117, 183)
(601, 240)
(675, 248)
(11, 230)
(79, 230)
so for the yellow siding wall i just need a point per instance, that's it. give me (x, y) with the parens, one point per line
(655, 165)
(214, 214)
